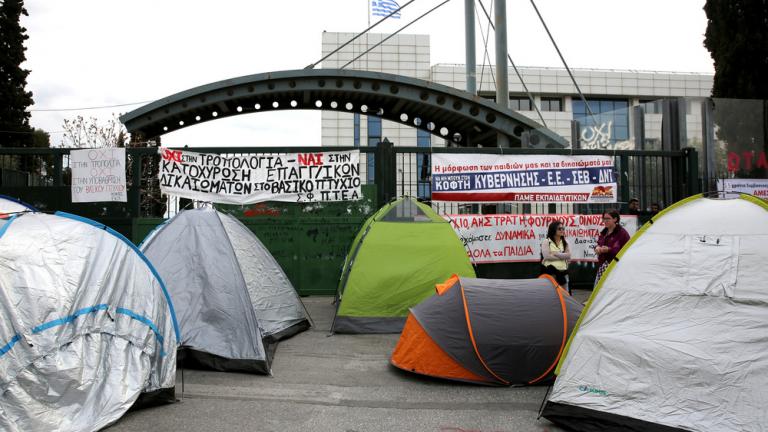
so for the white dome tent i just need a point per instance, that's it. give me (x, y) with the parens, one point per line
(674, 337)
(233, 299)
(86, 326)
(9, 205)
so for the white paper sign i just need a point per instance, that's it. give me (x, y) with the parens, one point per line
(756, 187)
(289, 177)
(500, 238)
(98, 175)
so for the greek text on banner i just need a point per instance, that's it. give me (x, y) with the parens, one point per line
(499, 238)
(523, 178)
(755, 187)
(98, 175)
(289, 177)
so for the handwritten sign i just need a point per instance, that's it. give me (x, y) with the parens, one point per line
(98, 175)
(523, 178)
(290, 177)
(503, 238)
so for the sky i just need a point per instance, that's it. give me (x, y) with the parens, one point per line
(95, 53)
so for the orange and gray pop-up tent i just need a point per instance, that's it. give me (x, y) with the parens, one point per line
(487, 331)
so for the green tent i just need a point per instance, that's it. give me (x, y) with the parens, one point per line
(398, 256)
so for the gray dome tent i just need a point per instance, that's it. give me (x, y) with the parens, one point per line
(86, 328)
(233, 300)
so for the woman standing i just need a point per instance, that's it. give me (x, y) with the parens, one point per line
(612, 238)
(555, 254)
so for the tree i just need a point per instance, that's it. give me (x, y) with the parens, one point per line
(14, 99)
(82, 133)
(737, 39)
(40, 138)
(45, 164)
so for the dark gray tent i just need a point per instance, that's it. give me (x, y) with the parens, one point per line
(498, 332)
(233, 300)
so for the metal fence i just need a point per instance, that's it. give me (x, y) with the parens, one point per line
(661, 177)
(310, 240)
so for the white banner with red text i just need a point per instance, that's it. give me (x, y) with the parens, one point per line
(756, 187)
(501, 238)
(523, 178)
(252, 178)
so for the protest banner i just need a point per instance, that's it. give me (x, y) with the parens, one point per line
(98, 175)
(756, 187)
(523, 178)
(500, 238)
(248, 179)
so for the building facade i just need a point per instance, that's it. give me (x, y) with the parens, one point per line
(619, 109)
(610, 95)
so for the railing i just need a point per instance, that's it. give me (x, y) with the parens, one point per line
(661, 177)
(310, 241)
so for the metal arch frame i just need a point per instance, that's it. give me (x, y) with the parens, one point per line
(452, 114)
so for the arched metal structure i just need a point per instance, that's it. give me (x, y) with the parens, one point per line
(463, 118)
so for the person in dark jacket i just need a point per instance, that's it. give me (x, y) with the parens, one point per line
(612, 238)
(633, 206)
(655, 209)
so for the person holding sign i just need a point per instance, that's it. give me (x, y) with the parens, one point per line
(612, 238)
(555, 254)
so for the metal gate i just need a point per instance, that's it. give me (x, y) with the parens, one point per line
(310, 240)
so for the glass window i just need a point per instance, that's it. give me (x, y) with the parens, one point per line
(620, 119)
(520, 103)
(692, 106)
(551, 104)
(423, 167)
(374, 137)
(357, 129)
(612, 118)
(374, 130)
(424, 191)
(423, 138)
(620, 133)
(651, 106)
(578, 108)
(370, 159)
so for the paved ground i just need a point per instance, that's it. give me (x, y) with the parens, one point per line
(339, 383)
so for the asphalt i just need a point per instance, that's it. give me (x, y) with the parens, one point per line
(338, 383)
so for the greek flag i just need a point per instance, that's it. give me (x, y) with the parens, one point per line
(384, 8)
